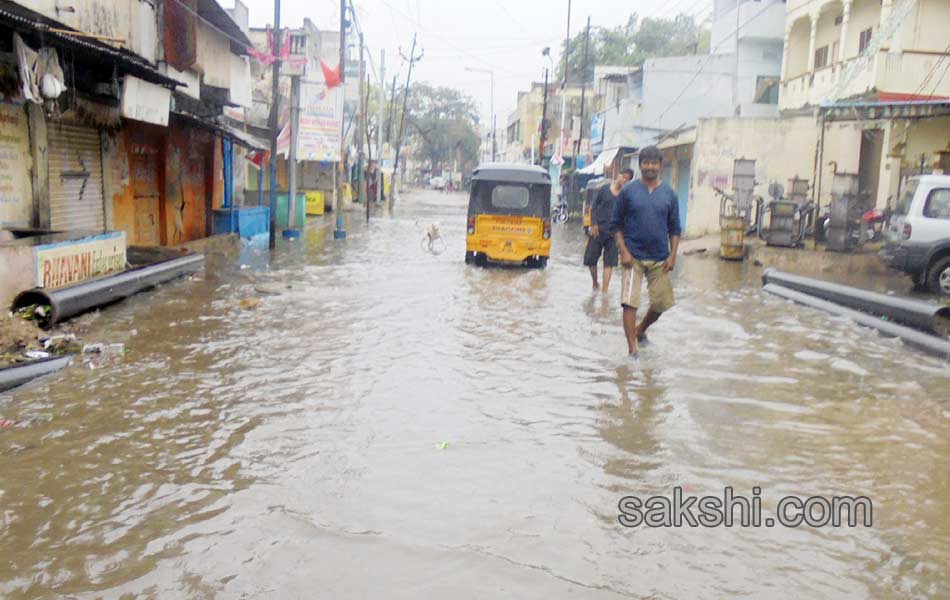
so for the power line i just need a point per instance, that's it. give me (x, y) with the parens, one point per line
(447, 41)
(932, 71)
(939, 81)
(712, 53)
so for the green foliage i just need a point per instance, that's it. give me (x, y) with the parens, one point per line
(443, 122)
(631, 45)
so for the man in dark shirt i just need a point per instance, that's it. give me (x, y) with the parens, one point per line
(601, 240)
(646, 226)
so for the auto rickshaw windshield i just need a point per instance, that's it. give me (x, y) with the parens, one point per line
(509, 198)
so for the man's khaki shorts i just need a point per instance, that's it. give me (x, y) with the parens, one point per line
(658, 283)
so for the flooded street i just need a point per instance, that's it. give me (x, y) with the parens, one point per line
(392, 424)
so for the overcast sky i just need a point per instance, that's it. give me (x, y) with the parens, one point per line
(506, 36)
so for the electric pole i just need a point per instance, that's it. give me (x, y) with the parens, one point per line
(580, 136)
(389, 120)
(413, 59)
(340, 232)
(292, 232)
(379, 127)
(544, 119)
(272, 124)
(360, 124)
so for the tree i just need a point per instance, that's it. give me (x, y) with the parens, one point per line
(632, 44)
(444, 121)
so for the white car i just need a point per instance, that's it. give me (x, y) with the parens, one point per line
(438, 183)
(918, 233)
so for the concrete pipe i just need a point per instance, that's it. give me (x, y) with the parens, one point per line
(923, 341)
(71, 301)
(926, 316)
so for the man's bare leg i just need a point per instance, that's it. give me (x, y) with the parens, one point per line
(650, 318)
(630, 328)
(593, 277)
(608, 271)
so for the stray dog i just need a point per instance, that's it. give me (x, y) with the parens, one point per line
(432, 240)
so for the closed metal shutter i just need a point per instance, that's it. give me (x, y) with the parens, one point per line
(75, 177)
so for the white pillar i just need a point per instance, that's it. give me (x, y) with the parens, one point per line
(811, 42)
(890, 173)
(785, 48)
(842, 44)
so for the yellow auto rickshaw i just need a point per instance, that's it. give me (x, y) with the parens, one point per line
(509, 216)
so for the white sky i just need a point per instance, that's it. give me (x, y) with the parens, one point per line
(506, 36)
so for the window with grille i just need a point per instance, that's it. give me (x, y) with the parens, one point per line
(864, 40)
(766, 89)
(821, 57)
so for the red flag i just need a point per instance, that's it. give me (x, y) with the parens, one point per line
(332, 76)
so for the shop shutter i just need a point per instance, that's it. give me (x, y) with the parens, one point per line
(75, 177)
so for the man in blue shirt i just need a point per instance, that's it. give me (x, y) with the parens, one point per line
(646, 225)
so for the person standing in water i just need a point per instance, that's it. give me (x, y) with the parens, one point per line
(646, 223)
(601, 239)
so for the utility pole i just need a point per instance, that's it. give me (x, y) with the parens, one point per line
(413, 59)
(544, 119)
(567, 57)
(379, 128)
(292, 231)
(389, 120)
(340, 232)
(580, 137)
(360, 124)
(272, 125)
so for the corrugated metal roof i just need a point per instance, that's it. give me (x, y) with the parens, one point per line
(27, 21)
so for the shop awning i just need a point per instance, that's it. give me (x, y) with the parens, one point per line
(601, 163)
(234, 134)
(244, 138)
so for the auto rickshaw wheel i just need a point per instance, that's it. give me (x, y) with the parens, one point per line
(538, 263)
(469, 258)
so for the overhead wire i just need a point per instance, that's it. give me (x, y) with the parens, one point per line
(712, 53)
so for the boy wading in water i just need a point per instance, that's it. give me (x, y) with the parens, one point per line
(602, 240)
(646, 223)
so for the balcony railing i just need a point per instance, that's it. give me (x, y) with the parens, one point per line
(825, 84)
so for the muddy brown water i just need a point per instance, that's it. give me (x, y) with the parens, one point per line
(392, 424)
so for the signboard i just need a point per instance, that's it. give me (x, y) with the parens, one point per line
(321, 118)
(16, 189)
(65, 263)
(144, 101)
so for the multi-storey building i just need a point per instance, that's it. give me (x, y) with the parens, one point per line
(882, 50)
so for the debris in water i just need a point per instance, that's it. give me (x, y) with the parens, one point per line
(100, 348)
(267, 290)
(7, 423)
(250, 303)
(694, 251)
(443, 445)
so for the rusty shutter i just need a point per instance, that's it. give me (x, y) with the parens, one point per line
(75, 177)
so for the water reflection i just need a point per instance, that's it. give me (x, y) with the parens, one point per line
(466, 431)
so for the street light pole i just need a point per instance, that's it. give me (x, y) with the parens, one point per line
(340, 232)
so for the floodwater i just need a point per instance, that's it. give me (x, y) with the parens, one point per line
(393, 424)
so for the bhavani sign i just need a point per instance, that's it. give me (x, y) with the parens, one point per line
(65, 263)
